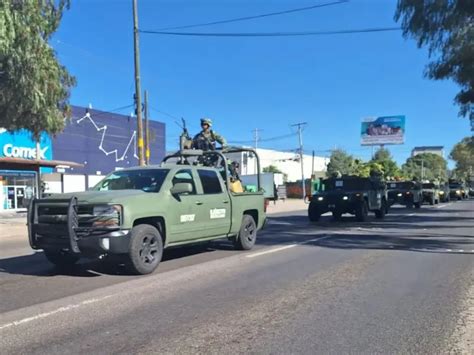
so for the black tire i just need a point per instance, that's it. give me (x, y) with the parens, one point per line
(61, 258)
(313, 213)
(336, 215)
(432, 202)
(380, 214)
(145, 250)
(362, 211)
(410, 205)
(417, 204)
(247, 236)
(436, 202)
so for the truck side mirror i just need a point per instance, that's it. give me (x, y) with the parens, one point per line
(181, 188)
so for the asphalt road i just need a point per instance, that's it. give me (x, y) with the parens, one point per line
(401, 285)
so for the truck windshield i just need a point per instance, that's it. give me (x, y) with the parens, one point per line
(404, 185)
(455, 186)
(148, 180)
(429, 186)
(345, 184)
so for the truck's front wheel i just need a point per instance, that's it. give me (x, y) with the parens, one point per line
(146, 249)
(247, 236)
(61, 258)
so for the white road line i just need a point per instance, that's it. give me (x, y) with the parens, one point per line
(274, 250)
(59, 310)
(411, 214)
(449, 249)
(441, 206)
(461, 250)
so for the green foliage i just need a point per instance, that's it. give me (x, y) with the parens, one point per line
(34, 86)
(463, 154)
(389, 167)
(340, 163)
(271, 169)
(434, 167)
(367, 169)
(446, 28)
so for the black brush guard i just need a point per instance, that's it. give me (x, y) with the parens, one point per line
(64, 232)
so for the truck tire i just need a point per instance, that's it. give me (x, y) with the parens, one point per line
(380, 214)
(432, 201)
(362, 211)
(145, 250)
(336, 215)
(417, 204)
(247, 236)
(313, 213)
(61, 258)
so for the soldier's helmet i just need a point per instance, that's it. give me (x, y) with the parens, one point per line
(207, 121)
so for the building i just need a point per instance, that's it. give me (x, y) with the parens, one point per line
(287, 162)
(438, 150)
(92, 144)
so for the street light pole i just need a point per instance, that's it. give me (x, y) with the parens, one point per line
(138, 96)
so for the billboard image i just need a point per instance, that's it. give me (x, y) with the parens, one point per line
(383, 130)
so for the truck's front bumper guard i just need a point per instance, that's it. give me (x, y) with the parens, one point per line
(70, 229)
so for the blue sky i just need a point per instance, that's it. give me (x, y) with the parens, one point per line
(331, 82)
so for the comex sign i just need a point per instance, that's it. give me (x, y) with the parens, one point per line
(9, 150)
(20, 145)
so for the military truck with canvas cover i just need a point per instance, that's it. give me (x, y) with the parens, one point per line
(349, 194)
(137, 212)
(406, 193)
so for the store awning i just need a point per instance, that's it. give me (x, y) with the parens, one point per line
(35, 164)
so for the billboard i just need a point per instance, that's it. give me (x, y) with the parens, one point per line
(383, 130)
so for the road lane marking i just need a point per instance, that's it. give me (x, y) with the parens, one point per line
(441, 206)
(274, 250)
(449, 249)
(277, 249)
(56, 311)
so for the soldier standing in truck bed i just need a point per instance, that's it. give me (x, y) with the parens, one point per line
(207, 138)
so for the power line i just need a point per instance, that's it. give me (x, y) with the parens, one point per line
(272, 34)
(246, 18)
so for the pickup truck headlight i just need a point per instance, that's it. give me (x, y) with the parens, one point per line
(441, 192)
(458, 192)
(399, 195)
(107, 216)
(320, 198)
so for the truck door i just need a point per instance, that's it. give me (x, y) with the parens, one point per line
(216, 203)
(187, 217)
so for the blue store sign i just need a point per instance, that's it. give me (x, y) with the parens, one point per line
(21, 145)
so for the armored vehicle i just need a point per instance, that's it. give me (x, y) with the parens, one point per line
(406, 193)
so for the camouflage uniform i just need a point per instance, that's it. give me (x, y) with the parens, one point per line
(206, 140)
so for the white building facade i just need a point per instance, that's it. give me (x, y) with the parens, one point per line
(287, 162)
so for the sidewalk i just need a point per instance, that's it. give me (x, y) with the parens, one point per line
(289, 205)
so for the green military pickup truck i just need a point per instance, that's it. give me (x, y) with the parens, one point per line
(137, 212)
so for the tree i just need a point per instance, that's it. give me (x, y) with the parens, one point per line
(446, 28)
(271, 169)
(389, 167)
(463, 154)
(434, 167)
(34, 86)
(340, 163)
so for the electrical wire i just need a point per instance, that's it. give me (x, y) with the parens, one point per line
(246, 18)
(272, 34)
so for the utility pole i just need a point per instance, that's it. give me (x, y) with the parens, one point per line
(138, 96)
(256, 137)
(300, 139)
(147, 131)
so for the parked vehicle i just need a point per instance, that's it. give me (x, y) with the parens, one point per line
(349, 194)
(135, 213)
(430, 193)
(406, 193)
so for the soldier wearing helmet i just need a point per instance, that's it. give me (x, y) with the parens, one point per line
(207, 138)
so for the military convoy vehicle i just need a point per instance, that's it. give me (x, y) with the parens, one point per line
(406, 193)
(430, 193)
(444, 193)
(457, 190)
(135, 213)
(349, 194)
